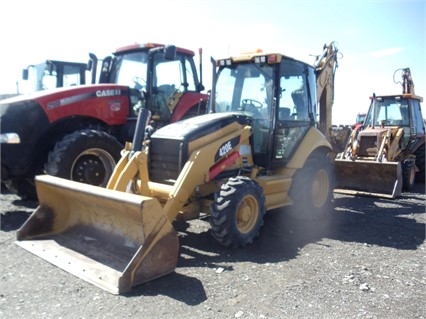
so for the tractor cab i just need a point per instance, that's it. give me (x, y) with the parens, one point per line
(277, 92)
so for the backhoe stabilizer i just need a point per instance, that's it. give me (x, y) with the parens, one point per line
(111, 239)
(369, 178)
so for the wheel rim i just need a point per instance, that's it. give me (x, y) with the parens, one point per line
(247, 214)
(93, 166)
(320, 188)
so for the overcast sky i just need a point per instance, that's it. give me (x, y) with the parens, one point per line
(375, 37)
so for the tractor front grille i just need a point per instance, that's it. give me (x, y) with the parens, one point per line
(370, 141)
(165, 160)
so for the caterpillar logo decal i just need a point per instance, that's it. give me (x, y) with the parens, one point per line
(226, 147)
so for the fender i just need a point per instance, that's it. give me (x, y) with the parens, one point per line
(108, 103)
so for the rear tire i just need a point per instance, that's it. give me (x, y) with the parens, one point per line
(312, 189)
(237, 212)
(86, 156)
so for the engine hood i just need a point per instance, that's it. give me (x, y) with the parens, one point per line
(98, 90)
(107, 102)
(198, 126)
(373, 131)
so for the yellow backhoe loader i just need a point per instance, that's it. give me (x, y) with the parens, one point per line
(258, 149)
(385, 155)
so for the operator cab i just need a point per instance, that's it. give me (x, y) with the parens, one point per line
(396, 111)
(162, 73)
(277, 92)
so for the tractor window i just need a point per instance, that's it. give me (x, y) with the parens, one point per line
(297, 83)
(225, 91)
(176, 75)
(417, 116)
(168, 77)
(360, 118)
(72, 75)
(292, 105)
(389, 111)
(293, 94)
(48, 80)
(247, 88)
(131, 70)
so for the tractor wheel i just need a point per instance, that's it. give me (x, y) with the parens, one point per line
(86, 156)
(408, 175)
(312, 189)
(420, 163)
(237, 212)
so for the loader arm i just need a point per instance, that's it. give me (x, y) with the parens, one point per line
(325, 69)
(196, 171)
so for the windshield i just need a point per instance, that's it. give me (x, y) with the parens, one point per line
(286, 106)
(130, 70)
(245, 88)
(168, 75)
(388, 111)
(248, 88)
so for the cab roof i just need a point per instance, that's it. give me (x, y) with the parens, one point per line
(147, 46)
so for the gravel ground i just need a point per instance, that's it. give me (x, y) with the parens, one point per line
(367, 261)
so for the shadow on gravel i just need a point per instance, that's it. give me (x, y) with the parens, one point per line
(374, 221)
(382, 222)
(366, 220)
(188, 290)
(13, 220)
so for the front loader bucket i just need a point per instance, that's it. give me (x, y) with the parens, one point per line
(368, 178)
(112, 239)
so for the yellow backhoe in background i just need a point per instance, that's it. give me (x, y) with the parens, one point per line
(258, 149)
(386, 155)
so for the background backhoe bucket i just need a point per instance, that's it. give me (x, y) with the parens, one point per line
(112, 239)
(368, 178)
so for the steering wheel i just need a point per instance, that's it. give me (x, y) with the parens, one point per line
(251, 102)
(253, 107)
(138, 80)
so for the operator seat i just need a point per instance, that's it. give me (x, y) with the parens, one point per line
(298, 97)
(284, 114)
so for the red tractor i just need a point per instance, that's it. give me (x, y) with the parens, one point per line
(78, 132)
(359, 121)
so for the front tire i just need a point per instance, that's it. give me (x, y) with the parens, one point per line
(237, 212)
(408, 175)
(312, 188)
(86, 156)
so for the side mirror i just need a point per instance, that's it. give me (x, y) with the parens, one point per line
(170, 52)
